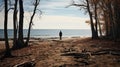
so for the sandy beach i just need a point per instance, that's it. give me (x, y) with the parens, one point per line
(69, 52)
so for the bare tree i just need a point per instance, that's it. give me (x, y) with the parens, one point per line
(20, 43)
(36, 3)
(15, 24)
(86, 6)
(8, 51)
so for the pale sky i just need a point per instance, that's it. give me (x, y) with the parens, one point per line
(54, 16)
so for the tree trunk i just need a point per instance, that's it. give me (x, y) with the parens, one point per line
(100, 30)
(106, 24)
(112, 28)
(15, 25)
(96, 20)
(117, 18)
(20, 32)
(94, 35)
(31, 21)
(8, 51)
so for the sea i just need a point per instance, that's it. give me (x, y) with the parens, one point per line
(49, 33)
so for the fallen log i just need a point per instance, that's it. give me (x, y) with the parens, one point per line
(26, 64)
(89, 54)
(77, 55)
(107, 51)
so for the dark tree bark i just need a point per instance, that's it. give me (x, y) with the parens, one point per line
(112, 27)
(96, 19)
(15, 25)
(94, 35)
(20, 32)
(88, 7)
(106, 25)
(117, 18)
(8, 51)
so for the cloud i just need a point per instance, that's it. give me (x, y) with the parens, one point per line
(55, 16)
(54, 5)
(57, 7)
(60, 22)
(50, 22)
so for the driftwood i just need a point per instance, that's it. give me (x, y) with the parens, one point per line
(85, 57)
(26, 64)
(88, 53)
(106, 51)
(77, 55)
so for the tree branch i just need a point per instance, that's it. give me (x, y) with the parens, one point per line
(10, 9)
(81, 5)
(74, 4)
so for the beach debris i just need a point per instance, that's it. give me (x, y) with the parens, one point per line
(86, 53)
(68, 50)
(86, 57)
(106, 51)
(83, 54)
(26, 64)
(78, 55)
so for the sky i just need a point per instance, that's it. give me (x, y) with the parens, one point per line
(55, 15)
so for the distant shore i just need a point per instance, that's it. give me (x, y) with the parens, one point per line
(50, 38)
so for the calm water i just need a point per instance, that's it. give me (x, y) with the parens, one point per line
(46, 33)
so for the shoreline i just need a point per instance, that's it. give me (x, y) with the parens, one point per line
(47, 38)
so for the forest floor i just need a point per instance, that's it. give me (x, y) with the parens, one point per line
(71, 52)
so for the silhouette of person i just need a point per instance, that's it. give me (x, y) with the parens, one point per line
(60, 35)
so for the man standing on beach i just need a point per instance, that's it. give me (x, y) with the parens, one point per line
(60, 35)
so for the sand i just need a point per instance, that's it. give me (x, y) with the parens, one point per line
(49, 53)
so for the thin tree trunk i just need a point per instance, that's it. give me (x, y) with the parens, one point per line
(8, 51)
(20, 32)
(96, 20)
(31, 21)
(15, 25)
(117, 18)
(94, 35)
(100, 29)
(106, 25)
(111, 22)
